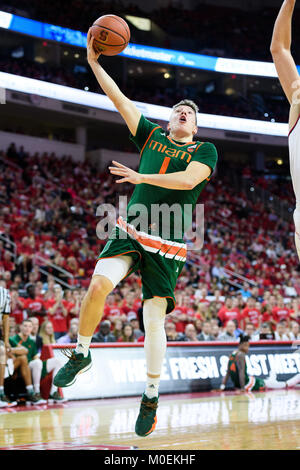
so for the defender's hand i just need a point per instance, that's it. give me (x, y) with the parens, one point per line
(128, 175)
(92, 55)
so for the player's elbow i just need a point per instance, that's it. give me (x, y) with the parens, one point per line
(193, 181)
(276, 48)
(188, 185)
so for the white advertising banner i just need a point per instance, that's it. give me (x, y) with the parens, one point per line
(121, 371)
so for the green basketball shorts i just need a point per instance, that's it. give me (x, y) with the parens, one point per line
(159, 261)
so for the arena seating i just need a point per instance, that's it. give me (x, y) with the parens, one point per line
(48, 236)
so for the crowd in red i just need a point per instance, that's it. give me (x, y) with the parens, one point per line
(47, 215)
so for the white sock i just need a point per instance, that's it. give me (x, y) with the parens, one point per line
(29, 388)
(83, 344)
(154, 313)
(152, 387)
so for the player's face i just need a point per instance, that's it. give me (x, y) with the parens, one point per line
(182, 122)
(26, 328)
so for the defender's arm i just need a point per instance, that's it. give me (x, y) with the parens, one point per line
(281, 51)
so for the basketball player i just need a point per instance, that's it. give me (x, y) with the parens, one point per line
(290, 82)
(237, 371)
(173, 170)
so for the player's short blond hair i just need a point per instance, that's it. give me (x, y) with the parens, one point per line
(189, 103)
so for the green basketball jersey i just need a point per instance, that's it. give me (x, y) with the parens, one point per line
(234, 373)
(161, 154)
(16, 340)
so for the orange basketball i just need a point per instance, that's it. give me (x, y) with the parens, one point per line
(111, 34)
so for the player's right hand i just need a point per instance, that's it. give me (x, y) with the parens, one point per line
(92, 55)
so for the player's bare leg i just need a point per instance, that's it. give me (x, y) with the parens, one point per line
(92, 306)
(108, 273)
(91, 312)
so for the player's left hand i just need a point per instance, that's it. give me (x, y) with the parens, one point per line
(128, 175)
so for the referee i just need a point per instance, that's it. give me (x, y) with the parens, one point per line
(4, 343)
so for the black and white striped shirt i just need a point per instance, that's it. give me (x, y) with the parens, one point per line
(4, 301)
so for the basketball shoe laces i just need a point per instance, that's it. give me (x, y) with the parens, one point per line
(146, 407)
(70, 354)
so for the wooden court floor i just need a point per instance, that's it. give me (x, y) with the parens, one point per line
(202, 421)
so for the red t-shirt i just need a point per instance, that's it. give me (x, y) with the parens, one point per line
(112, 311)
(180, 325)
(253, 314)
(59, 321)
(225, 314)
(281, 313)
(18, 313)
(35, 305)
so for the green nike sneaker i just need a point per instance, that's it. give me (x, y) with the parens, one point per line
(146, 420)
(77, 364)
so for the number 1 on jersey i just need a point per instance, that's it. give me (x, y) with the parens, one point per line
(164, 166)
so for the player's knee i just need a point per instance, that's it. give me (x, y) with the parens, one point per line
(99, 288)
(154, 313)
(36, 364)
(23, 359)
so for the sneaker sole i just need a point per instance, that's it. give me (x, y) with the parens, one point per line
(53, 400)
(151, 430)
(9, 405)
(85, 369)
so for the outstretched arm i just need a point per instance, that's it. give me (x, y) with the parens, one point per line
(194, 174)
(281, 52)
(124, 105)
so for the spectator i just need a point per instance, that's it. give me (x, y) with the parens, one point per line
(266, 332)
(71, 336)
(35, 334)
(136, 327)
(171, 333)
(39, 369)
(190, 333)
(228, 312)
(295, 311)
(127, 335)
(205, 334)
(47, 332)
(228, 334)
(58, 312)
(281, 311)
(117, 328)
(294, 333)
(17, 306)
(215, 331)
(34, 305)
(13, 327)
(251, 314)
(29, 349)
(245, 290)
(280, 333)
(250, 331)
(74, 307)
(104, 334)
